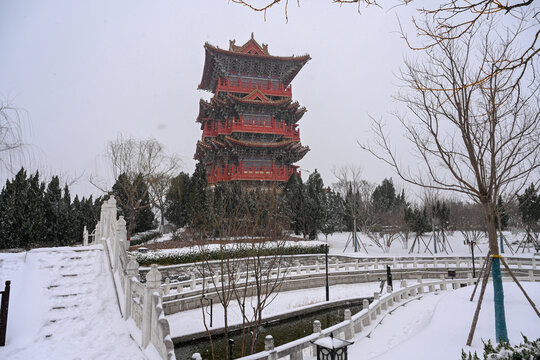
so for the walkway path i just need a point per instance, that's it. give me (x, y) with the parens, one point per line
(437, 325)
(63, 306)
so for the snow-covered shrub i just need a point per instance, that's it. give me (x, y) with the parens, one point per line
(144, 237)
(528, 350)
(184, 257)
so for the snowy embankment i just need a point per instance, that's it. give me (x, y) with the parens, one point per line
(437, 326)
(63, 306)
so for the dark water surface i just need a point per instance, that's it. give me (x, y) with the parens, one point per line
(283, 331)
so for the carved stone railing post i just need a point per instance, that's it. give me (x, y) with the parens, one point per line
(132, 271)
(153, 283)
(443, 283)
(420, 288)
(85, 236)
(111, 213)
(317, 329)
(269, 346)
(365, 306)
(349, 330)
(167, 286)
(193, 281)
(377, 296)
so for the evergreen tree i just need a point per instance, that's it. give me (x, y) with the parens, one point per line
(177, 200)
(144, 217)
(501, 211)
(417, 220)
(316, 205)
(35, 205)
(32, 216)
(384, 196)
(199, 208)
(53, 210)
(441, 212)
(14, 226)
(529, 206)
(294, 203)
(334, 213)
(133, 201)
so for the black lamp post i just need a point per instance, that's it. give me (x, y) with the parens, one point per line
(231, 344)
(211, 302)
(472, 254)
(325, 246)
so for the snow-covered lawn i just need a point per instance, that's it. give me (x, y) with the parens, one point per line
(338, 242)
(437, 326)
(63, 306)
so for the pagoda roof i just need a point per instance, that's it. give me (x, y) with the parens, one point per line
(257, 97)
(238, 59)
(230, 142)
(283, 105)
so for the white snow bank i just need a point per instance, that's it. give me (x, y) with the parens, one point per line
(437, 326)
(63, 306)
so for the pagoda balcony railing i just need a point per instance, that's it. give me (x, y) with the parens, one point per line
(248, 85)
(214, 128)
(241, 172)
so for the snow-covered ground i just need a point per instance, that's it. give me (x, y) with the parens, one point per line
(437, 326)
(191, 321)
(434, 326)
(63, 306)
(340, 243)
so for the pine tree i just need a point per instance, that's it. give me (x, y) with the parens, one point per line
(417, 220)
(199, 208)
(53, 200)
(529, 206)
(133, 201)
(177, 200)
(144, 217)
(334, 213)
(15, 230)
(316, 205)
(501, 211)
(384, 196)
(35, 205)
(441, 212)
(294, 205)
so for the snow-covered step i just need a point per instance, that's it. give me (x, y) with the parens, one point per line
(63, 306)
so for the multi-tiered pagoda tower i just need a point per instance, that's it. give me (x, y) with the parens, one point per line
(250, 130)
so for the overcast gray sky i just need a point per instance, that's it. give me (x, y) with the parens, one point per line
(85, 72)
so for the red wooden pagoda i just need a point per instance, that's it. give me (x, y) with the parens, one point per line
(250, 130)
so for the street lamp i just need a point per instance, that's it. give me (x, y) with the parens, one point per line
(473, 242)
(211, 302)
(231, 344)
(325, 247)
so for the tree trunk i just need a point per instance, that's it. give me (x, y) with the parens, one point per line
(501, 333)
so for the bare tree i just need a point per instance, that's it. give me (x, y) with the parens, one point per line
(13, 150)
(452, 19)
(356, 193)
(252, 282)
(479, 140)
(136, 163)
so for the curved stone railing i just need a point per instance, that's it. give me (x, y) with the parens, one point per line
(352, 325)
(185, 295)
(137, 301)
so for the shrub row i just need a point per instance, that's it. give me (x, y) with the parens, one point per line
(146, 259)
